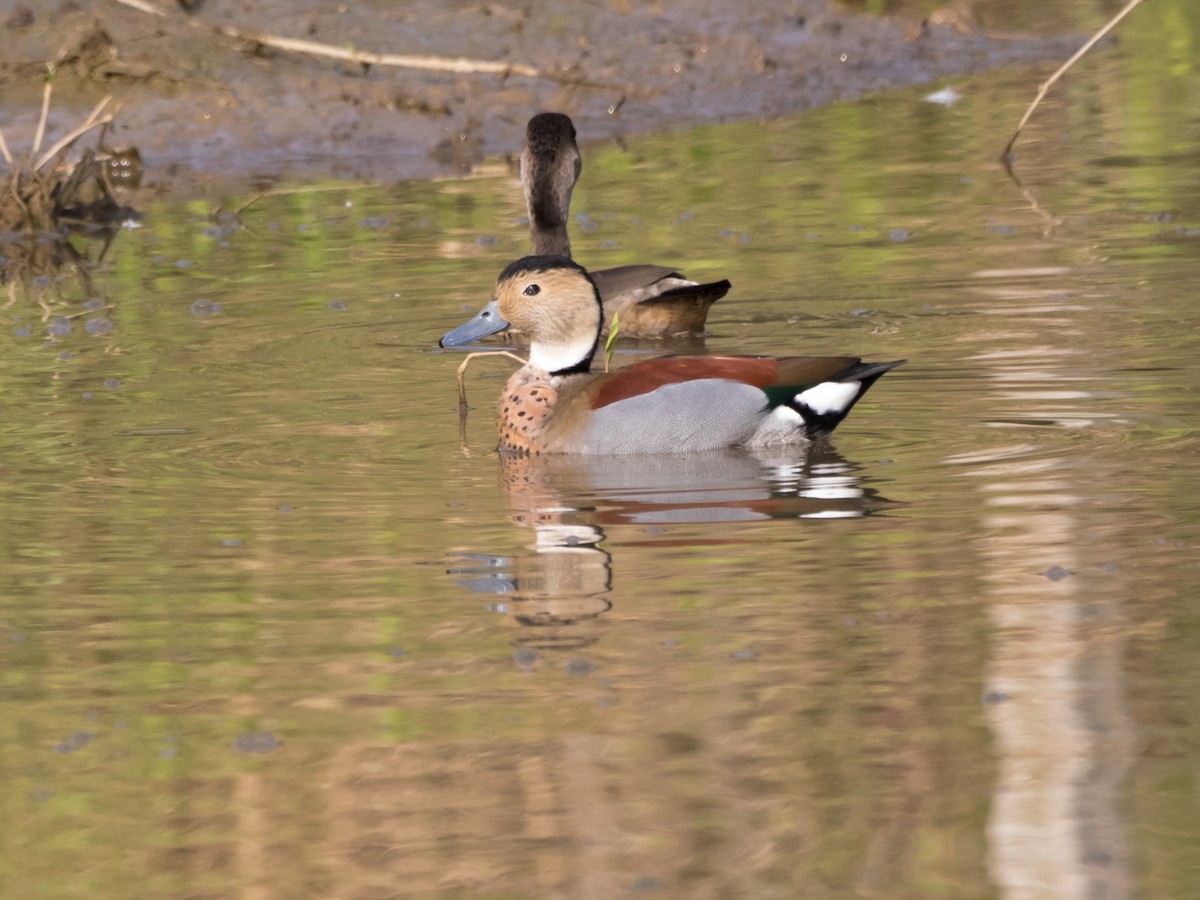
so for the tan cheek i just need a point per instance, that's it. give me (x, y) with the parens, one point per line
(515, 313)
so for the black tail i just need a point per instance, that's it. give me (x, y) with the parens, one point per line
(825, 404)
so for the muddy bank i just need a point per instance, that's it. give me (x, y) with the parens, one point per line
(210, 112)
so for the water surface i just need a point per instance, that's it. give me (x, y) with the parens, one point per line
(270, 627)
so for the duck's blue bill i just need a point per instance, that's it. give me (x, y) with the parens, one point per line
(487, 321)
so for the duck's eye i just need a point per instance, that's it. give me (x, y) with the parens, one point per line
(532, 290)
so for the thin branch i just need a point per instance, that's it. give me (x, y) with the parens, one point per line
(4, 150)
(41, 128)
(462, 370)
(1070, 62)
(142, 6)
(313, 48)
(432, 63)
(88, 124)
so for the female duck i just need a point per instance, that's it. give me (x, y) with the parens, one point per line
(664, 405)
(652, 301)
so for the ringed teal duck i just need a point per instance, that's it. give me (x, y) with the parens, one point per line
(669, 404)
(653, 301)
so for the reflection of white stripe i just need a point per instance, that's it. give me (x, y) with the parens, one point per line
(832, 492)
(829, 396)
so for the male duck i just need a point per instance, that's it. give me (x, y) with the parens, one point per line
(652, 301)
(664, 405)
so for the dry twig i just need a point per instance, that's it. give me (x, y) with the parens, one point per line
(92, 121)
(41, 126)
(1128, 8)
(462, 370)
(394, 60)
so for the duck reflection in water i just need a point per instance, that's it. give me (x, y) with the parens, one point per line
(578, 506)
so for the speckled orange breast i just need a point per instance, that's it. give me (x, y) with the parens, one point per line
(526, 407)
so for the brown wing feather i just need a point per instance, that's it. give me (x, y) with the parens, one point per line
(612, 283)
(644, 377)
(802, 370)
(759, 371)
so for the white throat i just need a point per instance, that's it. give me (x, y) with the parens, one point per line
(554, 357)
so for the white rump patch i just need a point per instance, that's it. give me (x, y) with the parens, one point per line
(782, 426)
(829, 396)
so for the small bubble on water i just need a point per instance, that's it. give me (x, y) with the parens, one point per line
(1056, 573)
(112, 383)
(183, 263)
(230, 542)
(23, 330)
(337, 304)
(487, 240)
(899, 235)
(94, 303)
(65, 355)
(98, 325)
(41, 281)
(525, 658)
(255, 742)
(373, 222)
(72, 742)
(647, 885)
(60, 326)
(204, 308)
(579, 667)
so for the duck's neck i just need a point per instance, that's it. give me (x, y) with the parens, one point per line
(548, 240)
(548, 202)
(566, 358)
